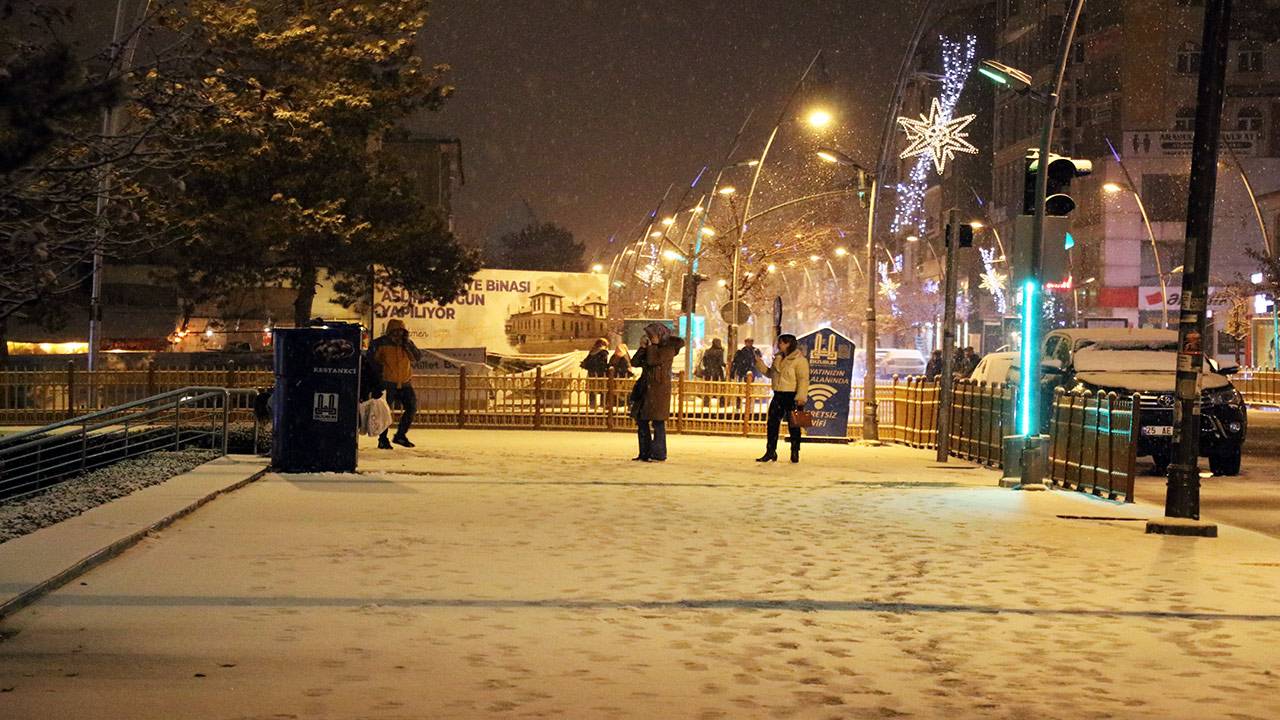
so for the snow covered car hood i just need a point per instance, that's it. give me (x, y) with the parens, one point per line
(1146, 371)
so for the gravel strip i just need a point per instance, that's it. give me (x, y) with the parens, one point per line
(95, 488)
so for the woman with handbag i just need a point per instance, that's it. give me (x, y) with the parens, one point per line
(790, 378)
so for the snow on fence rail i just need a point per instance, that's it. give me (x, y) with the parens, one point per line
(1093, 443)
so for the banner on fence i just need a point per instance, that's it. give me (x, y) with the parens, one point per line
(830, 381)
(507, 312)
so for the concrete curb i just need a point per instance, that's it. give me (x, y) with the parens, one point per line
(94, 559)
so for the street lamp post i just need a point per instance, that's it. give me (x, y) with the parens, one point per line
(870, 417)
(1113, 188)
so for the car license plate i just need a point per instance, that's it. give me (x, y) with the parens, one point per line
(1158, 430)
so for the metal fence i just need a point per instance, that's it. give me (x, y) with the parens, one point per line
(1093, 443)
(1260, 386)
(982, 414)
(34, 460)
(36, 397)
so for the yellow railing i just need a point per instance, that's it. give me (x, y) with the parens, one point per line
(1260, 386)
(1093, 443)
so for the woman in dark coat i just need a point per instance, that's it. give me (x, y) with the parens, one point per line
(713, 362)
(651, 398)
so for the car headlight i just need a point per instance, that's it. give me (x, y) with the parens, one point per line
(1221, 396)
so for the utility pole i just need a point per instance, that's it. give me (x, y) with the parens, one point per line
(870, 416)
(948, 336)
(1182, 498)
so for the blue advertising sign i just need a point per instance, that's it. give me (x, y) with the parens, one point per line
(830, 378)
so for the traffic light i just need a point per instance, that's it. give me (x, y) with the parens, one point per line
(966, 235)
(689, 292)
(1062, 170)
(864, 187)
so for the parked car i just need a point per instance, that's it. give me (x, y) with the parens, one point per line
(890, 361)
(997, 368)
(1144, 361)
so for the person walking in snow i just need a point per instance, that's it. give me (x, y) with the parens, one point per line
(790, 377)
(394, 355)
(744, 360)
(596, 363)
(713, 362)
(651, 397)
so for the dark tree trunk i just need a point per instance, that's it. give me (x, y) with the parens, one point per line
(307, 277)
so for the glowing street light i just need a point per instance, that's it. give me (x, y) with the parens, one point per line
(772, 268)
(841, 252)
(722, 282)
(815, 258)
(597, 268)
(672, 255)
(656, 234)
(668, 221)
(912, 238)
(727, 190)
(819, 118)
(707, 232)
(1112, 188)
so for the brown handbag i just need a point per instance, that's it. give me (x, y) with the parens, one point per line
(800, 418)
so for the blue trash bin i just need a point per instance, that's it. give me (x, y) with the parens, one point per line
(316, 398)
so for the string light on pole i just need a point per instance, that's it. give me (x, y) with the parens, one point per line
(957, 64)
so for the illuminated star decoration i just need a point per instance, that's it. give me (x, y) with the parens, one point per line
(889, 286)
(957, 66)
(993, 281)
(937, 135)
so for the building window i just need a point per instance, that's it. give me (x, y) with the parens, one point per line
(1249, 60)
(1185, 119)
(1189, 58)
(1249, 118)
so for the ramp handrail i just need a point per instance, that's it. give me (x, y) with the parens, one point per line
(36, 459)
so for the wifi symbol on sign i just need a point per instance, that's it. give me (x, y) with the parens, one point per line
(820, 394)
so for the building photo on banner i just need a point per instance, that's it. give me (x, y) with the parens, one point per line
(506, 312)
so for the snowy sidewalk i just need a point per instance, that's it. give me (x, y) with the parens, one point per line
(33, 563)
(522, 574)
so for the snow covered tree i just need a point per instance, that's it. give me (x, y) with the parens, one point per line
(301, 95)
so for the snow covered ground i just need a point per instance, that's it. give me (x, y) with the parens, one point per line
(542, 574)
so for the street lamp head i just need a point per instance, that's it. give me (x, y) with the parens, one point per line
(841, 252)
(709, 232)
(815, 258)
(819, 118)
(672, 255)
(727, 190)
(834, 156)
(1007, 77)
(656, 234)
(722, 282)
(912, 238)
(668, 221)
(1111, 188)
(976, 224)
(597, 268)
(772, 268)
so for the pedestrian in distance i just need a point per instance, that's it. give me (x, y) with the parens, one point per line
(713, 362)
(934, 367)
(744, 360)
(789, 375)
(651, 397)
(394, 355)
(596, 363)
(620, 362)
(971, 359)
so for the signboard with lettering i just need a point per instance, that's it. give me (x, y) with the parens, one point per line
(1177, 143)
(830, 381)
(1150, 296)
(508, 312)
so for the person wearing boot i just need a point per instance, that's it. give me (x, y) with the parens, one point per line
(394, 355)
(789, 375)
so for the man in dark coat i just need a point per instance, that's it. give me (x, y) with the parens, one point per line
(713, 361)
(596, 363)
(744, 360)
(652, 396)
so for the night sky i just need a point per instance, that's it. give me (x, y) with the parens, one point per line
(588, 109)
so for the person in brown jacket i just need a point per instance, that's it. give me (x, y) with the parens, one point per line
(651, 397)
(394, 354)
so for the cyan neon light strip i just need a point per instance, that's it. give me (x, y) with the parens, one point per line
(1029, 311)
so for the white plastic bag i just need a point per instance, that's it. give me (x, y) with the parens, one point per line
(374, 417)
